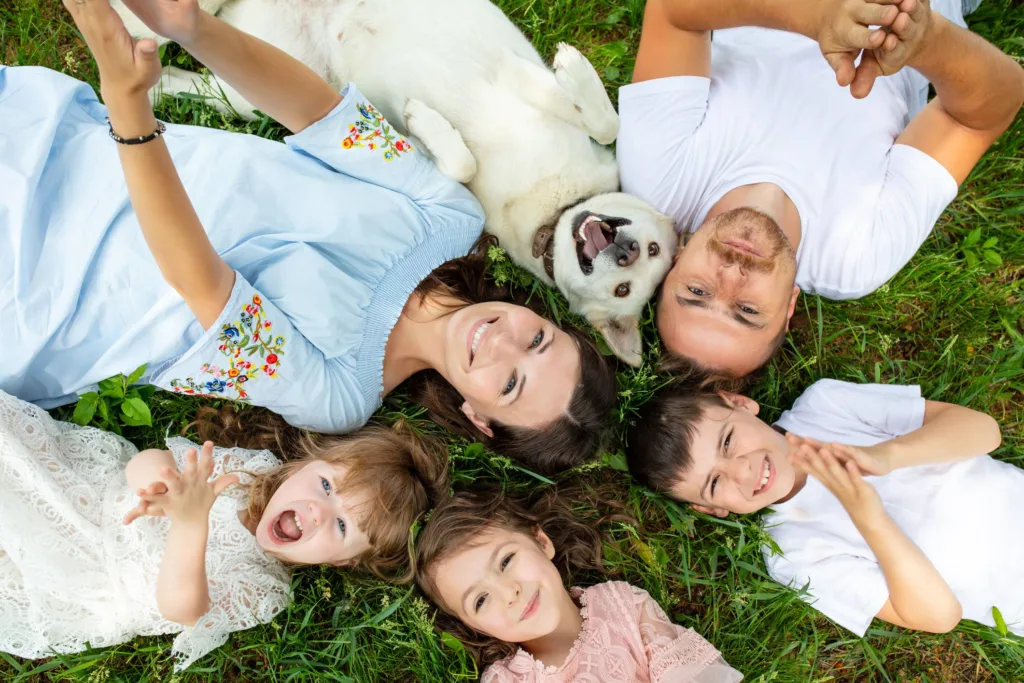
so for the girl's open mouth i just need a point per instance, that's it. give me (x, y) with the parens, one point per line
(286, 527)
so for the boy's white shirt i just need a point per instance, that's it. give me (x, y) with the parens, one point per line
(965, 516)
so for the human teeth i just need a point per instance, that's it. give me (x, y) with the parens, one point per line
(766, 474)
(477, 336)
(298, 522)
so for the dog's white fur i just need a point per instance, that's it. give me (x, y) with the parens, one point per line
(457, 76)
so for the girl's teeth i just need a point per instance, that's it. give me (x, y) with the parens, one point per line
(298, 522)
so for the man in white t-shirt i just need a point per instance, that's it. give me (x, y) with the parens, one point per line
(783, 181)
(906, 521)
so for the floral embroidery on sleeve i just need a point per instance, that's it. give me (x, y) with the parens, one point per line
(251, 334)
(373, 131)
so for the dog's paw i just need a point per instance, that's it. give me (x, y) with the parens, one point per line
(577, 76)
(445, 144)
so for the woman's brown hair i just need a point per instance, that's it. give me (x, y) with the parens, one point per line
(572, 437)
(458, 522)
(403, 473)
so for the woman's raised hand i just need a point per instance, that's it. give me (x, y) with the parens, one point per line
(174, 19)
(127, 67)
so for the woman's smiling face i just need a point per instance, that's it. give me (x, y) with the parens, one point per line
(307, 522)
(510, 365)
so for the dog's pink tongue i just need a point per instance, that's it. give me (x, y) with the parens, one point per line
(287, 524)
(596, 241)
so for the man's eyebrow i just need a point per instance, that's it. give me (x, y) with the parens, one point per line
(747, 323)
(721, 440)
(696, 303)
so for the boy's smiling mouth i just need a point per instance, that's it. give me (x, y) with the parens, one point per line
(767, 477)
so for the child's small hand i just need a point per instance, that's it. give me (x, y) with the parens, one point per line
(842, 478)
(874, 460)
(145, 508)
(189, 494)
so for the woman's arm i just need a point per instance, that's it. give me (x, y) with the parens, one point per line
(271, 80)
(177, 240)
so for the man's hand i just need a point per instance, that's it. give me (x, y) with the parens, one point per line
(843, 32)
(910, 28)
(843, 479)
(174, 19)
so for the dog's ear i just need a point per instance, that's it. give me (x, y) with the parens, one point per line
(623, 337)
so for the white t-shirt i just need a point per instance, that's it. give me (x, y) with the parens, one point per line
(772, 112)
(965, 516)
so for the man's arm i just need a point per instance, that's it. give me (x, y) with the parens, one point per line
(978, 93)
(675, 39)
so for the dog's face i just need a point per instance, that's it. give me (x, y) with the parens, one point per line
(611, 252)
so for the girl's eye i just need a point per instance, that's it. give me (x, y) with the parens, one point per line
(326, 485)
(341, 526)
(748, 310)
(537, 340)
(697, 291)
(506, 560)
(714, 484)
(510, 386)
(479, 602)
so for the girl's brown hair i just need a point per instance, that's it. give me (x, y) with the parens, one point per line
(572, 437)
(458, 522)
(403, 473)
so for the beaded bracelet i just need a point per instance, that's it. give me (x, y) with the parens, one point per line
(160, 130)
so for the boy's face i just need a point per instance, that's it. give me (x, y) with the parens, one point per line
(740, 464)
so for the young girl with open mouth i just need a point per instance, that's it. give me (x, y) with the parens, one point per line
(217, 535)
(492, 564)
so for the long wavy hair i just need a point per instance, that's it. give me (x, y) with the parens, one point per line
(403, 473)
(458, 522)
(572, 437)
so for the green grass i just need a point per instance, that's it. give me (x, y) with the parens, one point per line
(953, 328)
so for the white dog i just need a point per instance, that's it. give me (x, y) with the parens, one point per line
(460, 78)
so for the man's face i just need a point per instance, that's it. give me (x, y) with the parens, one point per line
(730, 294)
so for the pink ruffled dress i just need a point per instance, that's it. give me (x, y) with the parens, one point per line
(626, 638)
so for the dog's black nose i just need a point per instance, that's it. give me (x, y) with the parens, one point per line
(627, 256)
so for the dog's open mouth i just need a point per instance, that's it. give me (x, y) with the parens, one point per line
(593, 235)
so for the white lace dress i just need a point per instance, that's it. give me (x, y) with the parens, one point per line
(71, 574)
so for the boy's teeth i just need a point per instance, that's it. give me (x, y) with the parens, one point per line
(766, 474)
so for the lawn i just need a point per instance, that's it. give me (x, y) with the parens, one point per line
(951, 321)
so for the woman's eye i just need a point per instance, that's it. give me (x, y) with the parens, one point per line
(510, 386)
(728, 440)
(537, 340)
(714, 485)
(326, 485)
(748, 310)
(697, 291)
(341, 526)
(506, 560)
(479, 602)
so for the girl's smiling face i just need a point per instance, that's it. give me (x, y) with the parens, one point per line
(505, 586)
(306, 522)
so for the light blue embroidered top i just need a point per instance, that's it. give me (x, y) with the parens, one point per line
(328, 234)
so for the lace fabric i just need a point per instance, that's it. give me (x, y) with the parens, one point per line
(626, 637)
(72, 574)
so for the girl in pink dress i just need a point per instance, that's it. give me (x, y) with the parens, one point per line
(489, 562)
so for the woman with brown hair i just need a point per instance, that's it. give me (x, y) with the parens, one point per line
(289, 276)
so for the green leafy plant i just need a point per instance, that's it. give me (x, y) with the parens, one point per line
(975, 254)
(117, 403)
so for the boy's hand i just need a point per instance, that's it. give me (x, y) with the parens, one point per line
(187, 496)
(843, 479)
(871, 460)
(174, 19)
(127, 67)
(844, 32)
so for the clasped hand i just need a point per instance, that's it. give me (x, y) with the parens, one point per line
(840, 469)
(845, 34)
(187, 496)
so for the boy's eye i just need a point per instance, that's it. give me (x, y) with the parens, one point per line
(537, 340)
(479, 602)
(510, 386)
(506, 560)
(341, 526)
(326, 485)
(714, 484)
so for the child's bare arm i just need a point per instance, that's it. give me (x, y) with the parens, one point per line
(919, 597)
(949, 433)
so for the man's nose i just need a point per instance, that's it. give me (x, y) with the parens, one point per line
(626, 254)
